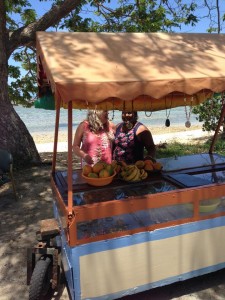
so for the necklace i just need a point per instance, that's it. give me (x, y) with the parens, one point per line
(188, 114)
(128, 125)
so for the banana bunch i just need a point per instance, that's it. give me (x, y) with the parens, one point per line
(133, 173)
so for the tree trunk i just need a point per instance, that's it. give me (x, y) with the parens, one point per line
(15, 137)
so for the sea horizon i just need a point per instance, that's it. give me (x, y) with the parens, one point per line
(40, 120)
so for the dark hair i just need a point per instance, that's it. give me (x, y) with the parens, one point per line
(134, 113)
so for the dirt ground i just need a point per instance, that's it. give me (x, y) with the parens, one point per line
(19, 222)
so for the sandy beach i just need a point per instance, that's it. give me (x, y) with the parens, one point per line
(194, 134)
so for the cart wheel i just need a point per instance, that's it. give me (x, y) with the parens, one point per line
(40, 280)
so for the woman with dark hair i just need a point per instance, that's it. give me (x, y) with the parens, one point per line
(132, 139)
(94, 137)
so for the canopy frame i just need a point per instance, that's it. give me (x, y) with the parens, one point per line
(132, 71)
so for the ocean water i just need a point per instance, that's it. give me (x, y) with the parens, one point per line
(41, 120)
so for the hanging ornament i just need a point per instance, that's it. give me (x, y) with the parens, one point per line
(113, 115)
(188, 114)
(188, 124)
(167, 122)
(113, 112)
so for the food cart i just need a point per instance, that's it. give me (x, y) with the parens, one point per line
(125, 238)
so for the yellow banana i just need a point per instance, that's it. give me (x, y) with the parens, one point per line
(127, 171)
(143, 174)
(137, 176)
(129, 167)
(131, 174)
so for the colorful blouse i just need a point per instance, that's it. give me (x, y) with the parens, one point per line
(127, 146)
(98, 146)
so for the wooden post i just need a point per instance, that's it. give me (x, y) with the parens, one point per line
(221, 119)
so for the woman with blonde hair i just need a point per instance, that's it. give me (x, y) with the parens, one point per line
(94, 138)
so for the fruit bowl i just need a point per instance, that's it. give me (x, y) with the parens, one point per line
(206, 206)
(99, 181)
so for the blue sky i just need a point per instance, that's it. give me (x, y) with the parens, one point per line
(43, 6)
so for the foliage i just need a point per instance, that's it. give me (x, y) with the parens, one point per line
(138, 16)
(209, 112)
(23, 88)
(98, 16)
(178, 149)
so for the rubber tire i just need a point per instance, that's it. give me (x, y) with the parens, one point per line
(40, 279)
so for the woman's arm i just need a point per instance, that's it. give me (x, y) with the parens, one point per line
(77, 143)
(145, 136)
(112, 126)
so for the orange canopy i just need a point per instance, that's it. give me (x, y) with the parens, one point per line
(141, 71)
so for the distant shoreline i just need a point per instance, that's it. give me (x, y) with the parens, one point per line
(48, 137)
(43, 121)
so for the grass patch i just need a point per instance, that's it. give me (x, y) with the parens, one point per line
(179, 149)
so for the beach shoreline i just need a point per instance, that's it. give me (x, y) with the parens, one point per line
(44, 141)
(48, 136)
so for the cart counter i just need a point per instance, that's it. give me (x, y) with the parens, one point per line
(179, 194)
(143, 235)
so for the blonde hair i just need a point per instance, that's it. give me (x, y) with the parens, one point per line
(94, 121)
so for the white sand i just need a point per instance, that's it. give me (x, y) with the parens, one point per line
(194, 136)
(48, 147)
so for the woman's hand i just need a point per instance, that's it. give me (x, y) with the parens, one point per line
(88, 159)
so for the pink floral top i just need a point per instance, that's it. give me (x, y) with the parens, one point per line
(127, 147)
(98, 146)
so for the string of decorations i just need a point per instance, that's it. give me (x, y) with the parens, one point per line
(188, 114)
(167, 122)
(150, 112)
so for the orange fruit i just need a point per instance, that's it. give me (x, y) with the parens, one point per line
(110, 169)
(93, 175)
(114, 163)
(140, 164)
(148, 167)
(104, 173)
(157, 166)
(87, 169)
(98, 167)
(148, 162)
(102, 162)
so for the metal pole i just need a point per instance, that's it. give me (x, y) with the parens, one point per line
(221, 120)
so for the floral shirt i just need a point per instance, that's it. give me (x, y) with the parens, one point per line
(98, 146)
(127, 147)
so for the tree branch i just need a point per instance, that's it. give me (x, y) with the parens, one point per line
(24, 35)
